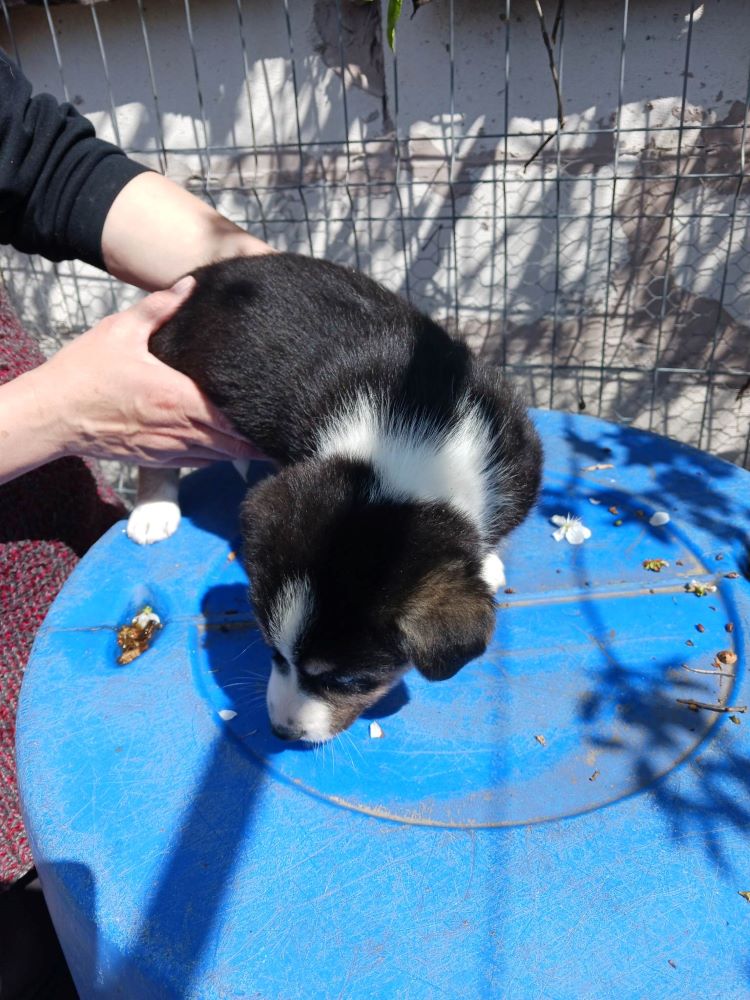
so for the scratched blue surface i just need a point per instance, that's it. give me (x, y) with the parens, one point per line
(459, 856)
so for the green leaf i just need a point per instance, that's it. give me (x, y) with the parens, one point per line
(394, 13)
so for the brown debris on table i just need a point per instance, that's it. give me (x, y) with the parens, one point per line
(655, 565)
(725, 658)
(135, 638)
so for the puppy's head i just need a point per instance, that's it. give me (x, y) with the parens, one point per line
(350, 590)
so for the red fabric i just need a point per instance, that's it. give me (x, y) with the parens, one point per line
(48, 518)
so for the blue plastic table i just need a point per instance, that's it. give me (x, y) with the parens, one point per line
(551, 823)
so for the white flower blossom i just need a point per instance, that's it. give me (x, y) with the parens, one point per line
(146, 617)
(700, 589)
(572, 529)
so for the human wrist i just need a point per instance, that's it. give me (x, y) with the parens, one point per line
(156, 232)
(231, 241)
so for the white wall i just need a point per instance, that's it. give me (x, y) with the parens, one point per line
(593, 274)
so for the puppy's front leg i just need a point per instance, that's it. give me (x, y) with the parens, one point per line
(493, 571)
(156, 513)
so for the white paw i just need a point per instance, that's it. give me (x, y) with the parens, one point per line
(493, 572)
(153, 521)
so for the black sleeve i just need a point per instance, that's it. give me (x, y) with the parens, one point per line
(57, 180)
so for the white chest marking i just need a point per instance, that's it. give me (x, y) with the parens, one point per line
(417, 461)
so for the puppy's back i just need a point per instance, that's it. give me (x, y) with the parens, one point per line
(298, 351)
(278, 342)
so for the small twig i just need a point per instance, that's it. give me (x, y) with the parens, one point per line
(549, 138)
(714, 673)
(558, 19)
(552, 64)
(691, 703)
(549, 45)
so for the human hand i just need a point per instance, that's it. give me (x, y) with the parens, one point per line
(105, 396)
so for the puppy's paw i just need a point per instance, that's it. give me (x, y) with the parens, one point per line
(153, 521)
(493, 572)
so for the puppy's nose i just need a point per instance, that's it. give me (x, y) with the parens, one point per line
(285, 733)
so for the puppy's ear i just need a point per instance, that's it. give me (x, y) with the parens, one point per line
(448, 621)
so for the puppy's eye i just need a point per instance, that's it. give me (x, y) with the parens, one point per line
(318, 672)
(346, 683)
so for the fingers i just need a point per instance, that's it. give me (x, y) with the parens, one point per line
(197, 408)
(153, 312)
(184, 462)
(193, 457)
(183, 425)
(221, 447)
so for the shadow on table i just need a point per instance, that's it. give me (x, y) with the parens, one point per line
(715, 796)
(182, 912)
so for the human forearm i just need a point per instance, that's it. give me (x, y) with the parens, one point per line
(156, 232)
(29, 428)
(66, 194)
(57, 180)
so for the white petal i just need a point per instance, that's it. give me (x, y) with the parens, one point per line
(595, 502)
(659, 518)
(226, 714)
(577, 534)
(143, 619)
(558, 519)
(376, 733)
(586, 531)
(559, 534)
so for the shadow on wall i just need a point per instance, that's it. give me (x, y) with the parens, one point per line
(623, 298)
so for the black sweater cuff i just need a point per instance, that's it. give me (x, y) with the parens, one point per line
(57, 180)
(103, 181)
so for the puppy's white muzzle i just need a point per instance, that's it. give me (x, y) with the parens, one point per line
(294, 714)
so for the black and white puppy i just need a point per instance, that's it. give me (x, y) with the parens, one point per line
(404, 462)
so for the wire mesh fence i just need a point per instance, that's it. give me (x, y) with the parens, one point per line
(608, 273)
